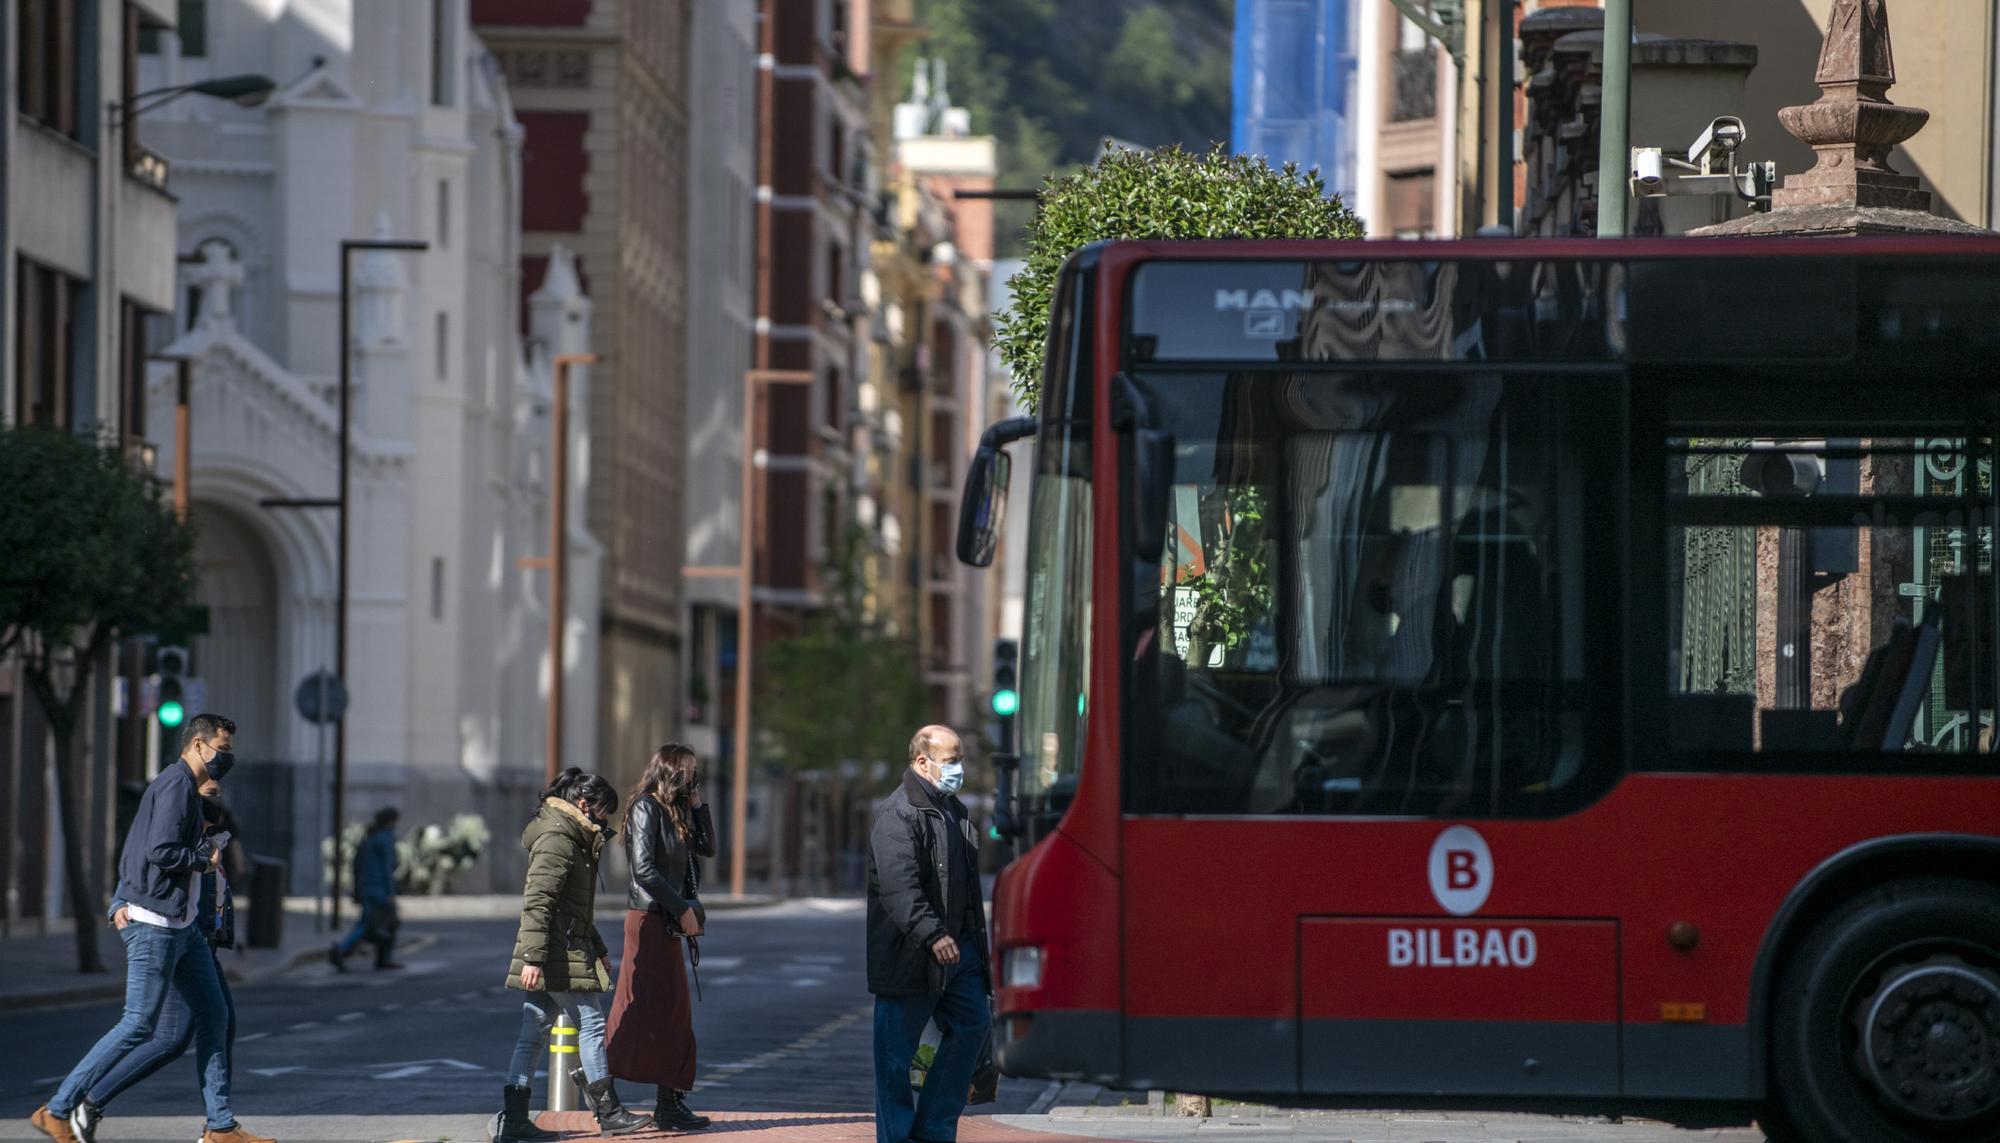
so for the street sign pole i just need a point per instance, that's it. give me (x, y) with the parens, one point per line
(321, 698)
(319, 808)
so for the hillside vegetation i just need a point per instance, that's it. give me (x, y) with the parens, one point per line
(1053, 78)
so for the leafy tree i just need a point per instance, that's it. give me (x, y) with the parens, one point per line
(92, 552)
(1167, 193)
(843, 690)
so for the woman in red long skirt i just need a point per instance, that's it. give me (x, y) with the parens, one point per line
(651, 1036)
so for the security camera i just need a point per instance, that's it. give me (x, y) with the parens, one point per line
(1648, 171)
(1724, 135)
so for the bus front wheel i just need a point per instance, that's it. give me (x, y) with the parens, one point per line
(1886, 1022)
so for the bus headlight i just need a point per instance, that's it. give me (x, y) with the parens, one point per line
(1021, 968)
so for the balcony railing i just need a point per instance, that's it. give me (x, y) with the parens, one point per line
(1416, 86)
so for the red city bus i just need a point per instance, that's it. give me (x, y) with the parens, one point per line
(1513, 673)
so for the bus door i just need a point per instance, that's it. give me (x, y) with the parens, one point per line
(1371, 677)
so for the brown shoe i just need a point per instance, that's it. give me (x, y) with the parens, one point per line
(235, 1134)
(52, 1125)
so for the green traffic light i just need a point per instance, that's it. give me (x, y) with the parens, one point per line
(1006, 702)
(171, 713)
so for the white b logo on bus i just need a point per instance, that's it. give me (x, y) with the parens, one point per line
(1461, 870)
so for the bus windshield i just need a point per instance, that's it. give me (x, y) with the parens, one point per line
(1375, 596)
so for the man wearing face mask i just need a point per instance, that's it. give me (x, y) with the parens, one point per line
(165, 852)
(926, 944)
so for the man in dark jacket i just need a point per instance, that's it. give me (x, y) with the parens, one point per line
(375, 893)
(164, 854)
(926, 944)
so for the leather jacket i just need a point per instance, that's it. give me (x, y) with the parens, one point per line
(659, 859)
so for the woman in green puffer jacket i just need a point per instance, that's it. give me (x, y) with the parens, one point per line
(560, 961)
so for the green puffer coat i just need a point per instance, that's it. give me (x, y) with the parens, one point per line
(557, 904)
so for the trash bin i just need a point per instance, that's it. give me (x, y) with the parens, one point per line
(267, 902)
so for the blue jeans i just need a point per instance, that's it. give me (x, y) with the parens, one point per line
(539, 1013)
(171, 1039)
(158, 961)
(964, 1017)
(372, 910)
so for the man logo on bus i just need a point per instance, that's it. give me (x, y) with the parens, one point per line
(1461, 869)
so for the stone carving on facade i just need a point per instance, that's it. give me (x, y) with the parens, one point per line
(216, 276)
(379, 285)
(1851, 127)
(543, 67)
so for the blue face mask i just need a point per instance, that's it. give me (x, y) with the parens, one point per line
(951, 776)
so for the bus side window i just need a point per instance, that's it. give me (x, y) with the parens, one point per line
(1830, 596)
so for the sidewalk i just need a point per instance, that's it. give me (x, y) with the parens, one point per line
(506, 906)
(41, 970)
(807, 1127)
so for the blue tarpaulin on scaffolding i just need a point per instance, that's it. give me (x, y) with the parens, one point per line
(1294, 85)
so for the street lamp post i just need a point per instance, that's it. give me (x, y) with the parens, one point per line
(753, 459)
(743, 572)
(347, 248)
(557, 561)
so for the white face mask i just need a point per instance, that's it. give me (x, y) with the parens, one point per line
(951, 776)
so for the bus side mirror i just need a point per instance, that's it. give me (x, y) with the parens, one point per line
(1152, 469)
(984, 506)
(1153, 480)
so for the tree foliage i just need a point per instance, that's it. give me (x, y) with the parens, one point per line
(92, 552)
(844, 690)
(1166, 193)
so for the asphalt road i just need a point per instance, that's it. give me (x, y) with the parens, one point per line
(782, 1025)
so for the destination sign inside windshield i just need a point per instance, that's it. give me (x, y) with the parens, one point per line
(1372, 310)
(1732, 310)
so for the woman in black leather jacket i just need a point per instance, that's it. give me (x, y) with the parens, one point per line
(651, 1038)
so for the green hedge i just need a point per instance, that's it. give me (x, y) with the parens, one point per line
(1167, 193)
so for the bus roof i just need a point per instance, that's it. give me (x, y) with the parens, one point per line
(1125, 251)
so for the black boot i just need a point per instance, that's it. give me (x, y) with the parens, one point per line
(612, 1118)
(516, 1124)
(672, 1112)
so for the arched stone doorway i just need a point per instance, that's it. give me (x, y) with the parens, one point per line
(236, 580)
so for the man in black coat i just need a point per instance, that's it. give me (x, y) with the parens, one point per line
(926, 944)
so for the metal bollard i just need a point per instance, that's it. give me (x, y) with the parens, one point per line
(562, 1057)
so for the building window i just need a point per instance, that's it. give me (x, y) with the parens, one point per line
(1416, 74)
(192, 26)
(44, 345)
(1412, 203)
(443, 350)
(141, 333)
(836, 275)
(444, 214)
(437, 588)
(443, 58)
(45, 64)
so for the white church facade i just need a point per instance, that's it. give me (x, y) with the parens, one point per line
(390, 121)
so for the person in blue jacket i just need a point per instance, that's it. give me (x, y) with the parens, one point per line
(175, 1032)
(375, 892)
(165, 851)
